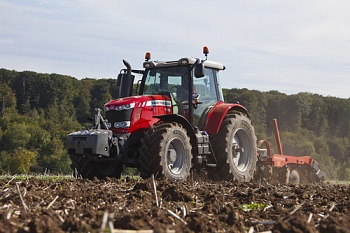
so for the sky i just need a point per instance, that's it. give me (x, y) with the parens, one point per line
(290, 46)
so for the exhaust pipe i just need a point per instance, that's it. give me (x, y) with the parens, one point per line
(125, 81)
(128, 67)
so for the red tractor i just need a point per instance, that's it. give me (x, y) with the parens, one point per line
(177, 122)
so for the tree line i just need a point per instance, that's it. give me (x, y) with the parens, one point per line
(39, 110)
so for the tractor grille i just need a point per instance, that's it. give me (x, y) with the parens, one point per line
(118, 116)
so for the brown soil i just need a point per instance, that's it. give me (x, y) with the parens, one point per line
(39, 205)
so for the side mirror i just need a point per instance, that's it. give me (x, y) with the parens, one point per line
(199, 70)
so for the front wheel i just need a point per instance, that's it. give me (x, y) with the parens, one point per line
(235, 149)
(166, 151)
(89, 167)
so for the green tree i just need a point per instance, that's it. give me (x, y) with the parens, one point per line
(54, 157)
(16, 136)
(21, 161)
(100, 94)
(7, 100)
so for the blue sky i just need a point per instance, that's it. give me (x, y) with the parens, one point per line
(290, 46)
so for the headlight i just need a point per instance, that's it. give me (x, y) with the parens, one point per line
(124, 107)
(122, 124)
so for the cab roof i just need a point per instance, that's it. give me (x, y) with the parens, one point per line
(182, 62)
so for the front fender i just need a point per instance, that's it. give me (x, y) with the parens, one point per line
(179, 119)
(217, 114)
(184, 122)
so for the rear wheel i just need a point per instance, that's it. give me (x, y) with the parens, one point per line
(88, 167)
(166, 151)
(235, 149)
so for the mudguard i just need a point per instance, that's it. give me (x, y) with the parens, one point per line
(181, 120)
(217, 114)
(184, 122)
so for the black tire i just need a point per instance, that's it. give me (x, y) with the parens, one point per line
(87, 168)
(166, 152)
(235, 149)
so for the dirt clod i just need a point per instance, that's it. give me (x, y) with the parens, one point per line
(70, 205)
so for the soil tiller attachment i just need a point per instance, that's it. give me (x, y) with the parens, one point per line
(288, 169)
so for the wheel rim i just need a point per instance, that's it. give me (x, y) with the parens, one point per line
(176, 156)
(241, 150)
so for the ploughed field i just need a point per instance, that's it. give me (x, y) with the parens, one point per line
(110, 205)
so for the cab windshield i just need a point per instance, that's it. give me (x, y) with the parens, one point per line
(166, 79)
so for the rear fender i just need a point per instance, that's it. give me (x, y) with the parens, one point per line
(217, 114)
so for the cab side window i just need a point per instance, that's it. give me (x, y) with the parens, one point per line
(205, 86)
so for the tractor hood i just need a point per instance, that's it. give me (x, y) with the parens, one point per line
(138, 101)
(127, 114)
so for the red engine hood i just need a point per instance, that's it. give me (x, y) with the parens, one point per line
(139, 101)
(134, 113)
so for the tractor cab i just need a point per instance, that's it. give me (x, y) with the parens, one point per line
(192, 85)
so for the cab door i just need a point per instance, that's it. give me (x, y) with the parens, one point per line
(206, 90)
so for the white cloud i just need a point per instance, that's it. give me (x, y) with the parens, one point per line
(289, 46)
